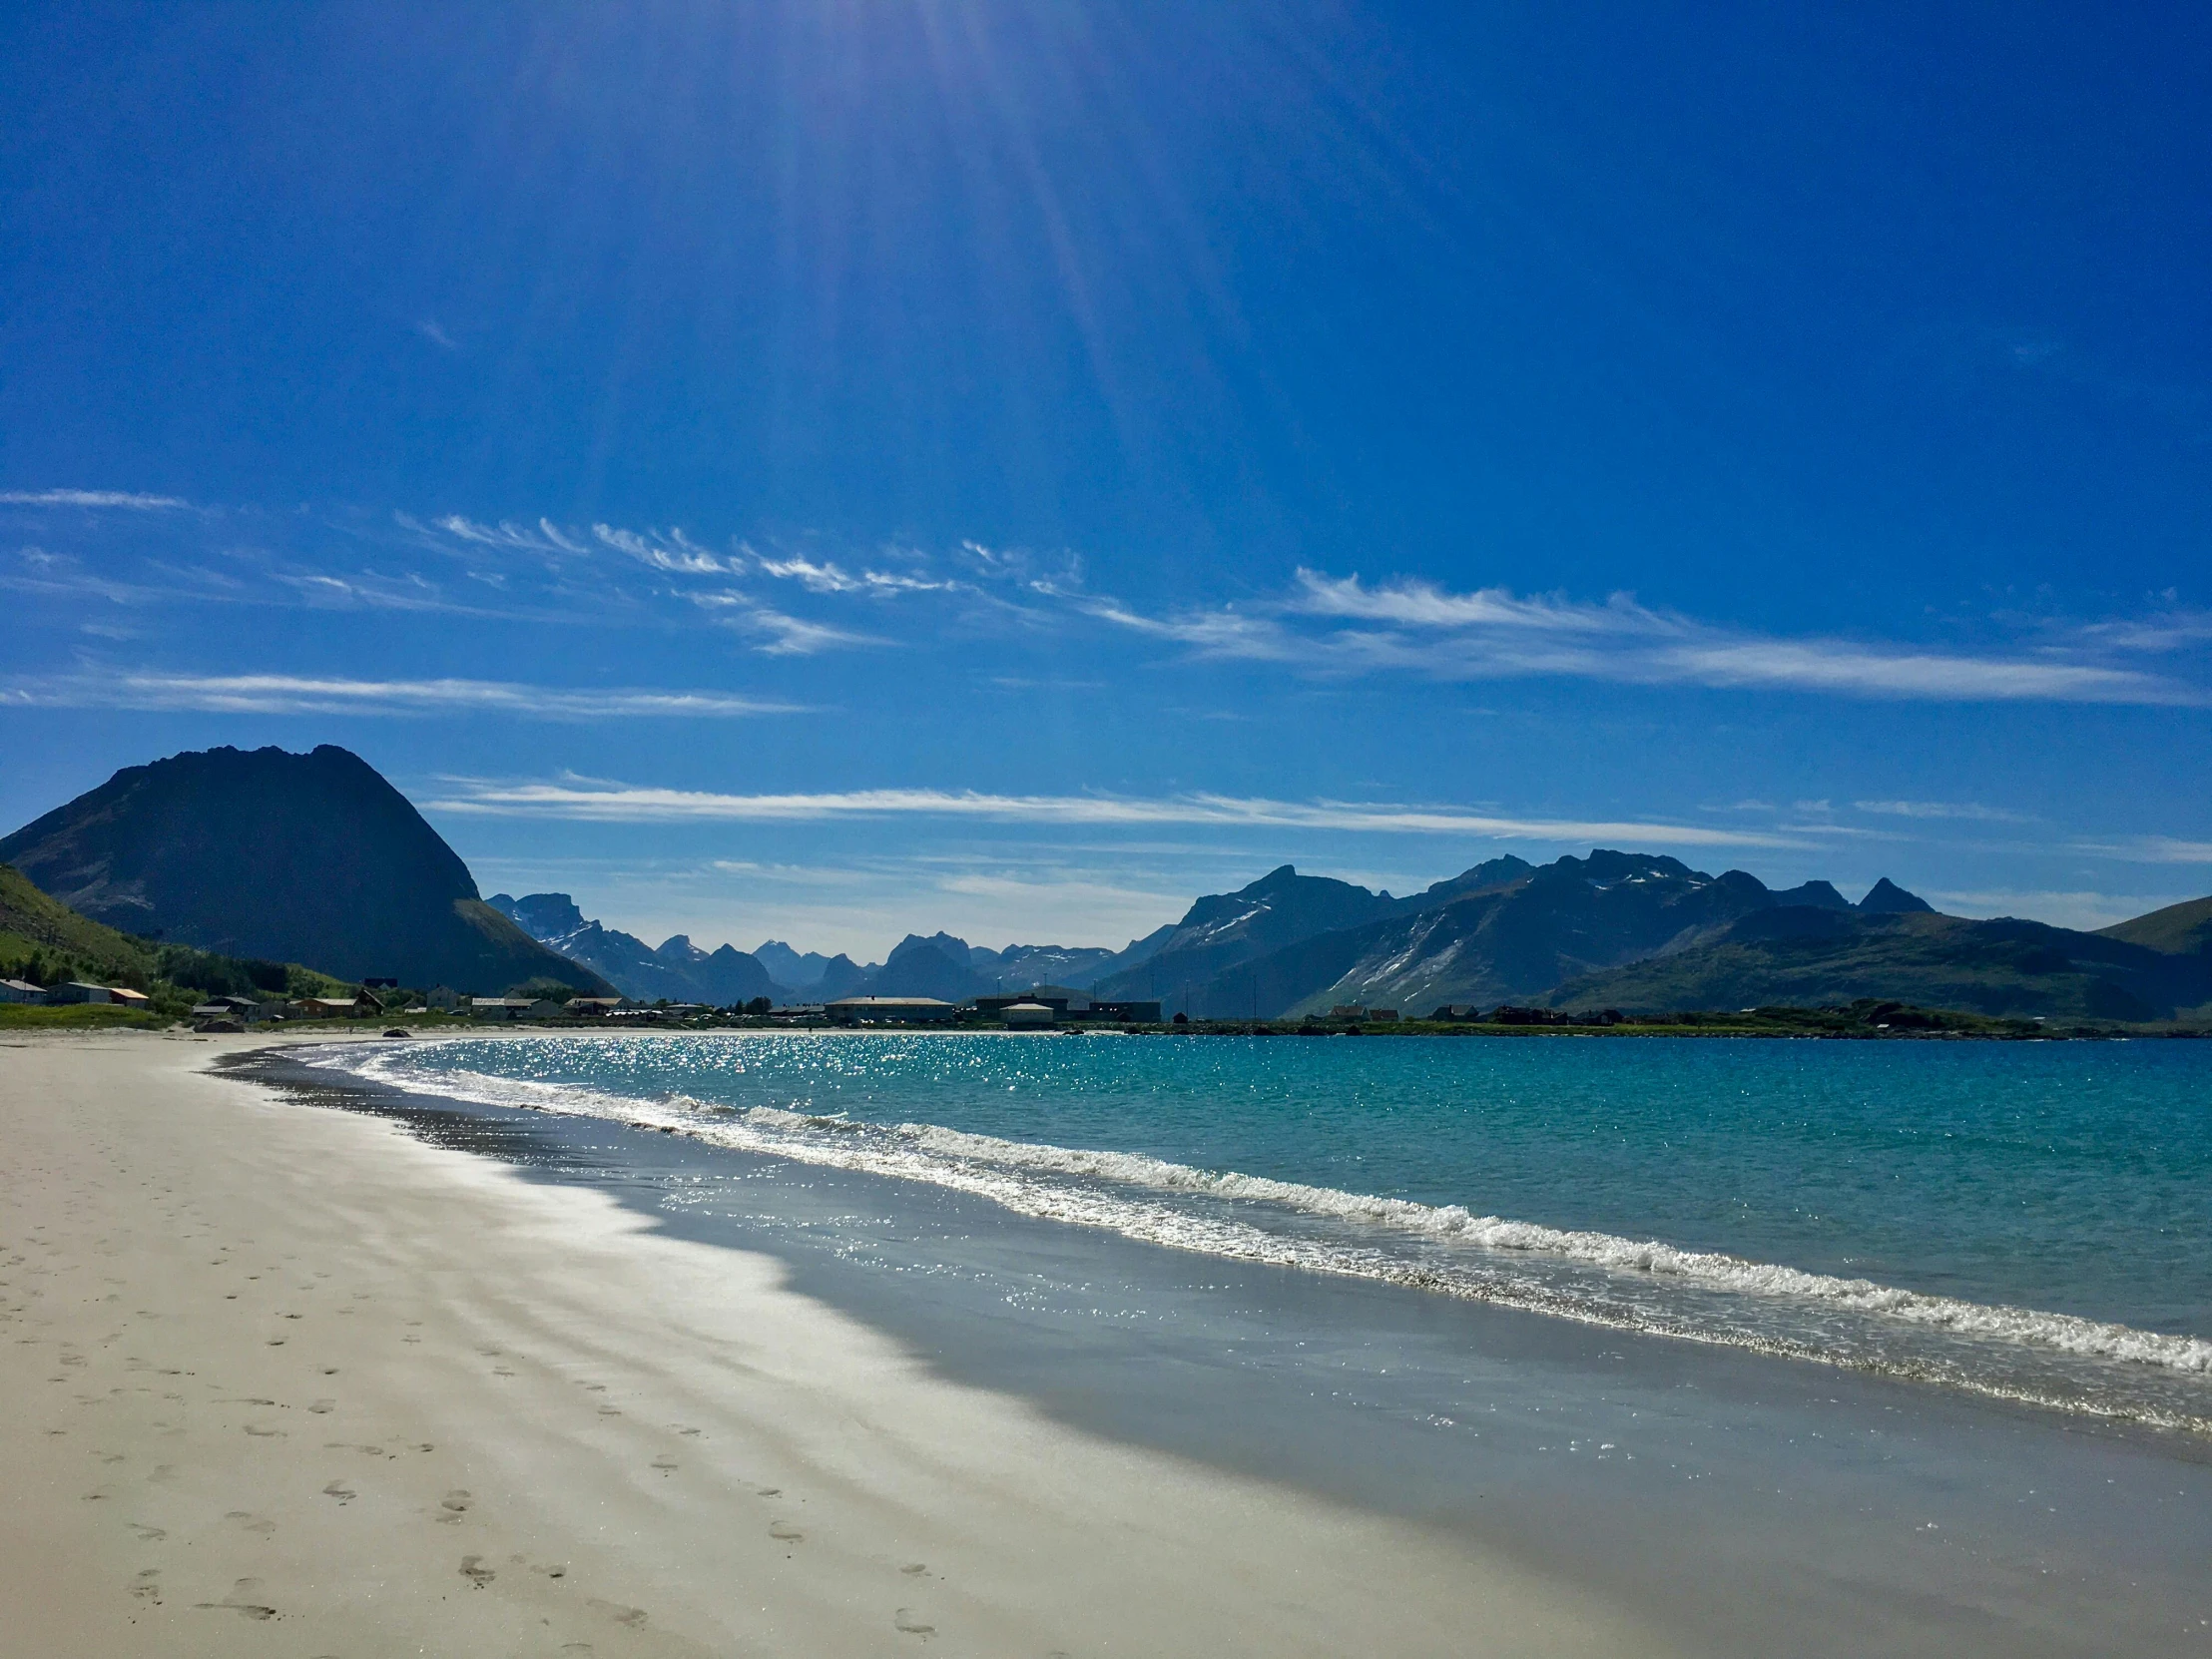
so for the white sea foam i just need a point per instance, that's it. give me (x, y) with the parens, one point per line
(1612, 1280)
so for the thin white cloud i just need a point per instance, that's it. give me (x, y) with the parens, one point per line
(674, 553)
(1421, 604)
(91, 498)
(2086, 911)
(2172, 631)
(282, 693)
(593, 801)
(1862, 671)
(541, 538)
(781, 635)
(2151, 849)
(1967, 810)
(428, 328)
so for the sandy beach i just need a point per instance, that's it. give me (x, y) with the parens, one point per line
(289, 1380)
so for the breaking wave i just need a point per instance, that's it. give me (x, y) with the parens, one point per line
(2042, 1358)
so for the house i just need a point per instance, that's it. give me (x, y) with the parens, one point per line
(130, 998)
(887, 1011)
(246, 1008)
(1028, 1015)
(333, 1007)
(444, 998)
(21, 990)
(594, 1007)
(76, 990)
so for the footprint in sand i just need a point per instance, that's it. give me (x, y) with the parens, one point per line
(784, 1530)
(340, 1490)
(634, 1617)
(455, 1505)
(916, 1569)
(243, 1599)
(149, 1587)
(251, 1522)
(907, 1620)
(323, 1407)
(147, 1534)
(474, 1570)
(667, 1466)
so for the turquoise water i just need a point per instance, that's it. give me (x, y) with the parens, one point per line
(2030, 1220)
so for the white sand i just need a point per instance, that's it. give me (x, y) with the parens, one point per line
(283, 1379)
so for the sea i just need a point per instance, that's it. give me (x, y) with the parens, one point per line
(1802, 1345)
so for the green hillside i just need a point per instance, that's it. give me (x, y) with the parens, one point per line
(46, 942)
(2183, 929)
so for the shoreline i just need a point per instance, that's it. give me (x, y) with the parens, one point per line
(395, 1397)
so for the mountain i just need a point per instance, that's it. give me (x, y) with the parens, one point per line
(1817, 957)
(678, 971)
(1505, 930)
(2179, 930)
(291, 857)
(788, 967)
(1498, 940)
(937, 966)
(1223, 930)
(840, 976)
(1020, 966)
(1887, 898)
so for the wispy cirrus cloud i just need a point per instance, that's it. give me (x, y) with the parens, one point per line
(285, 694)
(126, 499)
(1969, 810)
(1419, 628)
(1318, 625)
(593, 801)
(2150, 849)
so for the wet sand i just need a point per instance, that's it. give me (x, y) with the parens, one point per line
(290, 1380)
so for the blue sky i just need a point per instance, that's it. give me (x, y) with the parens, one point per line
(820, 470)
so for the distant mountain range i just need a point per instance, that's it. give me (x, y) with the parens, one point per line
(315, 858)
(294, 857)
(940, 965)
(1645, 933)
(678, 971)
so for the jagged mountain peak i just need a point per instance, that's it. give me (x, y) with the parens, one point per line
(1887, 898)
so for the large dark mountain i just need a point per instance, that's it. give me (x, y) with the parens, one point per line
(677, 971)
(297, 858)
(1811, 957)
